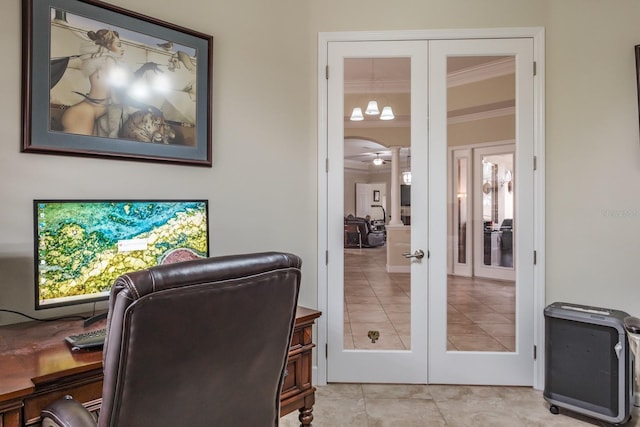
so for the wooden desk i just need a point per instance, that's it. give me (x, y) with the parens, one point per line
(37, 367)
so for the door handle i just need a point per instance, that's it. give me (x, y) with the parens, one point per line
(419, 254)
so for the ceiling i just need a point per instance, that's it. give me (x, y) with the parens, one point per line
(367, 75)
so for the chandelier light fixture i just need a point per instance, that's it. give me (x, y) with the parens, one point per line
(378, 161)
(372, 106)
(372, 110)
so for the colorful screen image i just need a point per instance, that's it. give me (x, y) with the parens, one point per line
(82, 246)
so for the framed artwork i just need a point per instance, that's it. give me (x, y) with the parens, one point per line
(376, 195)
(102, 81)
(637, 50)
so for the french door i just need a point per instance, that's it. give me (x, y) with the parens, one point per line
(447, 338)
(360, 309)
(481, 331)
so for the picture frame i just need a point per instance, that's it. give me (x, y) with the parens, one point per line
(376, 195)
(637, 52)
(103, 81)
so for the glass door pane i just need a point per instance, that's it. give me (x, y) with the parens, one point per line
(481, 291)
(377, 279)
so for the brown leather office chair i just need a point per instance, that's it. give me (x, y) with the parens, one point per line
(198, 343)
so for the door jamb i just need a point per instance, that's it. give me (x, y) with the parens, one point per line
(538, 36)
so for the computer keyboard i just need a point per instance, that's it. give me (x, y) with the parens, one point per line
(87, 340)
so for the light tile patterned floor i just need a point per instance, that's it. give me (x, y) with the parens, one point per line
(387, 405)
(480, 316)
(481, 312)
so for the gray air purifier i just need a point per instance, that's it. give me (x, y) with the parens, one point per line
(589, 368)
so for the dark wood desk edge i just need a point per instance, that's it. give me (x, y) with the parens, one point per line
(304, 315)
(14, 398)
(16, 395)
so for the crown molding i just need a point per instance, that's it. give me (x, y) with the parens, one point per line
(367, 86)
(490, 114)
(501, 67)
(498, 68)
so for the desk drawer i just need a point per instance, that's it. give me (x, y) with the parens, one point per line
(301, 337)
(292, 379)
(298, 376)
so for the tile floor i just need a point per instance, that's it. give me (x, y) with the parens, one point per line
(481, 314)
(375, 300)
(386, 405)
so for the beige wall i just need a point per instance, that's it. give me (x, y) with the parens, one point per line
(262, 188)
(489, 91)
(592, 147)
(488, 130)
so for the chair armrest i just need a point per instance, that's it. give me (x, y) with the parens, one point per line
(632, 324)
(67, 412)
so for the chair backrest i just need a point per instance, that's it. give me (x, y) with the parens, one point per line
(200, 343)
(358, 222)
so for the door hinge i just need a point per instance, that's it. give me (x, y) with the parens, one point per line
(535, 257)
(326, 257)
(535, 68)
(326, 165)
(535, 352)
(535, 163)
(326, 72)
(326, 351)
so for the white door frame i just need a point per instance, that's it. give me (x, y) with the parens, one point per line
(538, 36)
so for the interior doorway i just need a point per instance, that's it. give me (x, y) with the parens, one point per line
(424, 169)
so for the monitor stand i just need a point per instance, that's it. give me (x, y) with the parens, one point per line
(93, 319)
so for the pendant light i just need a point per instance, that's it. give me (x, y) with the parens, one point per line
(372, 108)
(356, 115)
(387, 113)
(406, 177)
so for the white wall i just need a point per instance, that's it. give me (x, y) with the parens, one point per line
(265, 61)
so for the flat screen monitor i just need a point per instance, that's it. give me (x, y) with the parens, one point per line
(82, 246)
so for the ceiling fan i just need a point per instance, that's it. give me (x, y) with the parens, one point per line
(378, 161)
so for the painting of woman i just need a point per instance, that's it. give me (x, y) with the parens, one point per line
(101, 64)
